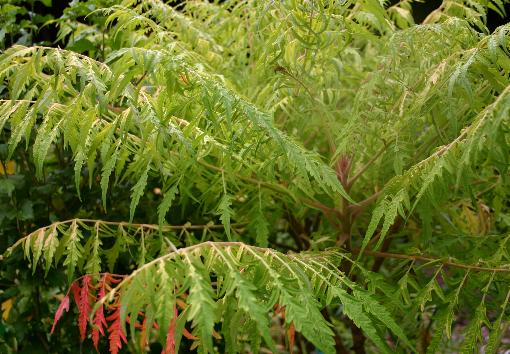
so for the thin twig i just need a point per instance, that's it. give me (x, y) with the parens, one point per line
(431, 259)
(187, 226)
(357, 208)
(275, 187)
(366, 166)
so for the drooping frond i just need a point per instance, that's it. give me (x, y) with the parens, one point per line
(146, 118)
(210, 279)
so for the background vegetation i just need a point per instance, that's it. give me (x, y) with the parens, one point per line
(250, 176)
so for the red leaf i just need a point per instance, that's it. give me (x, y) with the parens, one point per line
(116, 335)
(99, 320)
(170, 337)
(188, 335)
(76, 293)
(137, 324)
(84, 307)
(279, 309)
(110, 278)
(64, 305)
(143, 335)
(291, 334)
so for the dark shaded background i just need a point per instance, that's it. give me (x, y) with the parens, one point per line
(420, 12)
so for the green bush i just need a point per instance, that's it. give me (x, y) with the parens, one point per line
(255, 176)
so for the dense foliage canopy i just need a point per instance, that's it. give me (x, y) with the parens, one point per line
(255, 176)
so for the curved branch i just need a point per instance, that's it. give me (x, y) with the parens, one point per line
(187, 226)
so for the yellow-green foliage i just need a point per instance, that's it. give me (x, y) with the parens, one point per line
(312, 138)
